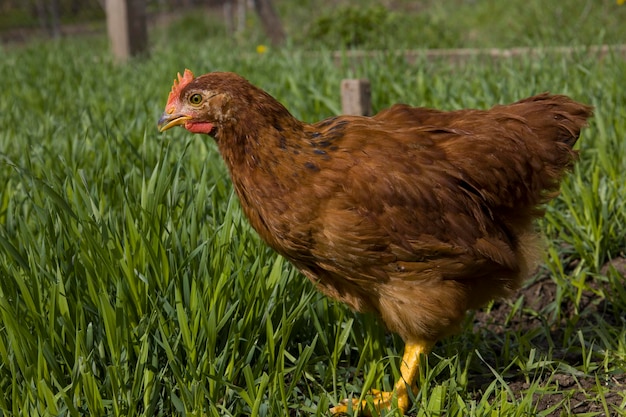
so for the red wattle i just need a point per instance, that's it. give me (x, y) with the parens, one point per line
(196, 127)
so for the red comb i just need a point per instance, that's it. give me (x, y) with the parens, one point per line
(179, 84)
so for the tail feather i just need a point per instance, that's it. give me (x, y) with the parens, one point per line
(554, 123)
(518, 153)
(512, 156)
(541, 112)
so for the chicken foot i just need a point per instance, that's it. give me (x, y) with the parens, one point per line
(384, 400)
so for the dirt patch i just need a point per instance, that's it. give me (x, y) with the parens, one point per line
(618, 264)
(577, 395)
(557, 325)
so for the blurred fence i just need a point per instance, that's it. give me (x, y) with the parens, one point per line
(22, 19)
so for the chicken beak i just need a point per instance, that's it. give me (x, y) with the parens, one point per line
(169, 120)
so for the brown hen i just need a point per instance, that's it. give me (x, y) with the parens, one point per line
(415, 214)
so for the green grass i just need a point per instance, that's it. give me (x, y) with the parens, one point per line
(132, 285)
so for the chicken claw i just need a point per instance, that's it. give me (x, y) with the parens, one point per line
(384, 400)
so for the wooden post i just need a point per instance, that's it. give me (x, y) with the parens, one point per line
(127, 27)
(356, 97)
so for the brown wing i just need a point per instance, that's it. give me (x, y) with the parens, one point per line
(400, 203)
(447, 197)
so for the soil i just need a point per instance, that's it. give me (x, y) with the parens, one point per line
(568, 393)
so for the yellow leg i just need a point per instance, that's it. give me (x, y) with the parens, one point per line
(384, 400)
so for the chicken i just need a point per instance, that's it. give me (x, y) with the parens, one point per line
(415, 214)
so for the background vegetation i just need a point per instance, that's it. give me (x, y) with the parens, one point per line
(131, 284)
(364, 24)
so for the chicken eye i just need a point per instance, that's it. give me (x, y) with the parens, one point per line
(195, 99)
